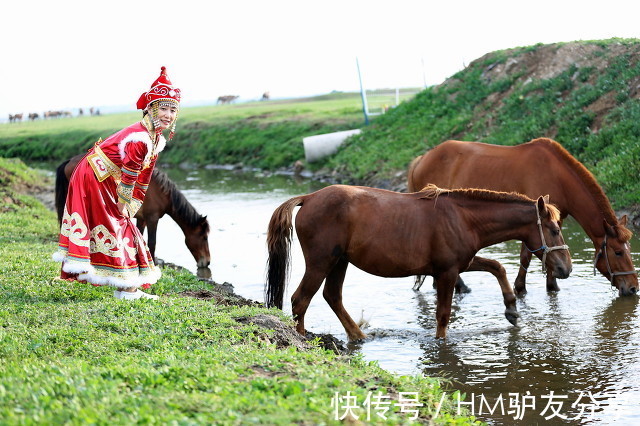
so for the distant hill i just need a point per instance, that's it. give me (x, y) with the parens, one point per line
(583, 94)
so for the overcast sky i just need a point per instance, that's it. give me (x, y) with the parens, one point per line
(78, 53)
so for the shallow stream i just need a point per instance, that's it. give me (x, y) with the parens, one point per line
(574, 358)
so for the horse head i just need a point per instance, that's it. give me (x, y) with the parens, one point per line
(548, 241)
(613, 258)
(198, 242)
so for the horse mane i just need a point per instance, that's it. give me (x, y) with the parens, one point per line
(431, 192)
(181, 205)
(589, 181)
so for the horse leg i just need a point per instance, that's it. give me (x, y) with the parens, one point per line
(141, 225)
(445, 283)
(309, 285)
(333, 295)
(461, 287)
(520, 283)
(497, 270)
(552, 284)
(152, 230)
(418, 281)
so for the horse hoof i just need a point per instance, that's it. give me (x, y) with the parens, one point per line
(462, 288)
(551, 289)
(512, 316)
(356, 337)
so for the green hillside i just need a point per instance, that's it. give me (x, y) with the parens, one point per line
(584, 95)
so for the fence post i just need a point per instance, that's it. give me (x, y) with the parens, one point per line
(365, 108)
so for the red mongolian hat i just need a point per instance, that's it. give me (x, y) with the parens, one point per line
(161, 89)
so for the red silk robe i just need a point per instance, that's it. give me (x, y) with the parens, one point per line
(97, 244)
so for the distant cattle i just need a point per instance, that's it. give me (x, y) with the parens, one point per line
(57, 114)
(227, 99)
(265, 96)
(33, 116)
(52, 114)
(13, 118)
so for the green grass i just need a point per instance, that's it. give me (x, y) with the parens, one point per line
(259, 134)
(70, 353)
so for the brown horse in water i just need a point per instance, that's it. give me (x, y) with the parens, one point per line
(162, 197)
(434, 232)
(541, 166)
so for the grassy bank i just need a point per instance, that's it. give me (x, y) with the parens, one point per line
(72, 354)
(585, 95)
(266, 135)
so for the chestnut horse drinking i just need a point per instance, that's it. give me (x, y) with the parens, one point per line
(539, 167)
(433, 232)
(162, 197)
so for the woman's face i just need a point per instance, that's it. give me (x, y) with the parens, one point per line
(166, 116)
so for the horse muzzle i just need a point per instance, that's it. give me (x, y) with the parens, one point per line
(562, 266)
(204, 262)
(626, 287)
(562, 272)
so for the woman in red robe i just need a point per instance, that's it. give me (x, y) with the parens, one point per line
(98, 241)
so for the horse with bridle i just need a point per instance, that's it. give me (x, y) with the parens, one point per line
(541, 166)
(162, 197)
(433, 232)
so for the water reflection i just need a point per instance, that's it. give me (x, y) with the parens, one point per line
(583, 340)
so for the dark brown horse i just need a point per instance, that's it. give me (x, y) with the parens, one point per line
(541, 166)
(162, 197)
(434, 232)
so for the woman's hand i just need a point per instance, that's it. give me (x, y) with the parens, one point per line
(122, 208)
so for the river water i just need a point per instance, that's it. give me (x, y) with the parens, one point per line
(574, 358)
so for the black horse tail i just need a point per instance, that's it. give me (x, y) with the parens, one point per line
(62, 187)
(278, 245)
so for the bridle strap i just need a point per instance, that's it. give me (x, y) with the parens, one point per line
(603, 250)
(544, 244)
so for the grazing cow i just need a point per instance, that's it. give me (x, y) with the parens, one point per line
(226, 99)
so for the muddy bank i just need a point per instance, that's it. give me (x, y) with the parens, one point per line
(284, 335)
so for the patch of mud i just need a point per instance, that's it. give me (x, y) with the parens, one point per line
(221, 297)
(328, 342)
(283, 335)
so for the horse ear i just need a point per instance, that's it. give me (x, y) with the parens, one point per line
(546, 198)
(608, 229)
(541, 205)
(623, 220)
